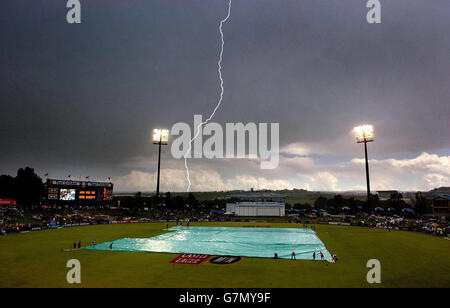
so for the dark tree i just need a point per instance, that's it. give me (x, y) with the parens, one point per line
(396, 201)
(299, 206)
(352, 204)
(177, 202)
(321, 203)
(130, 202)
(374, 202)
(396, 197)
(422, 205)
(192, 201)
(29, 187)
(338, 201)
(7, 186)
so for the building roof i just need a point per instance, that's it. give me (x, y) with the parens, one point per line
(260, 196)
(53, 182)
(447, 197)
(281, 204)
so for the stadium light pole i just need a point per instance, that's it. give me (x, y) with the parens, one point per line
(160, 137)
(364, 134)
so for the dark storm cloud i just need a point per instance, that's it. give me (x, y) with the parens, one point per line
(90, 94)
(85, 97)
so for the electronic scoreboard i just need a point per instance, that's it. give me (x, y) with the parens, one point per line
(66, 192)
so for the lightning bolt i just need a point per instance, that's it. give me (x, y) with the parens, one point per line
(219, 64)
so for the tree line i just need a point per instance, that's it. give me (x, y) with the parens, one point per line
(421, 204)
(26, 187)
(171, 202)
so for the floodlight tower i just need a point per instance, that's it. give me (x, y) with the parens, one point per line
(364, 134)
(160, 137)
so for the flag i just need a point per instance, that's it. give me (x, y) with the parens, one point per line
(69, 175)
(87, 177)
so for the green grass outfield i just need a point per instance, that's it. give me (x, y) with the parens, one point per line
(407, 259)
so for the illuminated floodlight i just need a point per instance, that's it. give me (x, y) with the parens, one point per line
(364, 133)
(160, 136)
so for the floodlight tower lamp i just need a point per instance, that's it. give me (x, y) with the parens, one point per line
(159, 137)
(364, 134)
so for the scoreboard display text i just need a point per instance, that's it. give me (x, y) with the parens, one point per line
(62, 191)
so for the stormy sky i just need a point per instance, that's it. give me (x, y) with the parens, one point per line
(82, 99)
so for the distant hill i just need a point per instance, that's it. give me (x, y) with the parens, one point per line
(439, 191)
(292, 196)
